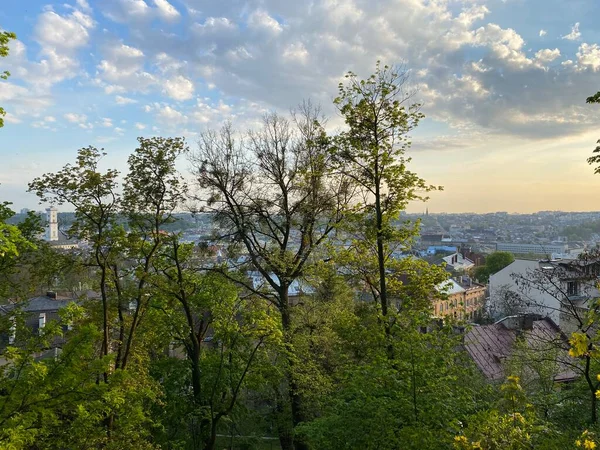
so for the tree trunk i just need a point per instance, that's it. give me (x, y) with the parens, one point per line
(294, 397)
(212, 439)
(594, 405)
(380, 252)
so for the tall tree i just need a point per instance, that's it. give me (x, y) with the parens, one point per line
(92, 193)
(275, 192)
(222, 335)
(379, 114)
(152, 192)
(5, 38)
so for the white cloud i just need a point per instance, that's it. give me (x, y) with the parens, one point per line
(505, 44)
(84, 6)
(170, 116)
(296, 52)
(261, 21)
(49, 119)
(588, 56)
(166, 10)
(75, 118)
(106, 122)
(574, 34)
(140, 126)
(123, 11)
(122, 70)
(179, 88)
(543, 33)
(138, 11)
(546, 55)
(63, 32)
(60, 37)
(215, 26)
(119, 100)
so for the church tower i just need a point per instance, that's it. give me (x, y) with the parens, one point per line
(52, 225)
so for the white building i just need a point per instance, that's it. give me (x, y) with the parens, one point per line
(458, 262)
(536, 249)
(507, 297)
(52, 224)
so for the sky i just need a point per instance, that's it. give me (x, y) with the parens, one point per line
(503, 84)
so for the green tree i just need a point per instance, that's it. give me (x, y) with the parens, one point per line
(5, 38)
(372, 152)
(595, 159)
(407, 402)
(275, 194)
(152, 192)
(494, 263)
(93, 195)
(49, 395)
(222, 336)
(122, 245)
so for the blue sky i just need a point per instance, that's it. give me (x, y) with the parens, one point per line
(503, 84)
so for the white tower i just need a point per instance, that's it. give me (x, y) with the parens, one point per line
(52, 227)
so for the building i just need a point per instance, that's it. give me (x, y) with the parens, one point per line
(37, 312)
(296, 290)
(535, 249)
(492, 346)
(52, 224)
(508, 297)
(457, 262)
(464, 299)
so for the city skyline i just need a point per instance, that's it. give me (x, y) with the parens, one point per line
(503, 85)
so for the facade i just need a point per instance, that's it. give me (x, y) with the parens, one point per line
(465, 299)
(457, 262)
(296, 289)
(536, 249)
(558, 289)
(52, 224)
(37, 312)
(508, 298)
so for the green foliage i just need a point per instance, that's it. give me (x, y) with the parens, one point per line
(371, 152)
(5, 37)
(51, 399)
(595, 159)
(494, 262)
(512, 427)
(407, 402)
(583, 232)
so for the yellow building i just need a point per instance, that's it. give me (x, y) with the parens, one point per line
(463, 299)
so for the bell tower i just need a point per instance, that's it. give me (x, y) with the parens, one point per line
(52, 224)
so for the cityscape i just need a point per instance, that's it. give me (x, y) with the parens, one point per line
(324, 225)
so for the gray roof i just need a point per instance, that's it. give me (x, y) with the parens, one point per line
(44, 303)
(37, 304)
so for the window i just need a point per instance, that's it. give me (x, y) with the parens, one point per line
(572, 288)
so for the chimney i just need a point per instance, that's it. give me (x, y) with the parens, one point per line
(528, 322)
(51, 294)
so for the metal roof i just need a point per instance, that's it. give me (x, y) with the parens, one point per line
(490, 345)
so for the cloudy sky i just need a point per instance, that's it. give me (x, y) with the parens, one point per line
(503, 83)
